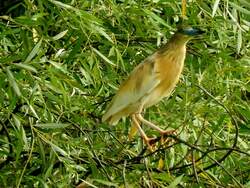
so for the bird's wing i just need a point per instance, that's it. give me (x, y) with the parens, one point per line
(141, 81)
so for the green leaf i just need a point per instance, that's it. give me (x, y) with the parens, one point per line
(63, 5)
(103, 57)
(21, 131)
(34, 51)
(58, 66)
(175, 182)
(52, 125)
(156, 18)
(239, 41)
(103, 33)
(60, 35)
(58, 149)
(26, 67)
(84, 15)
(215, 7)
(239, 8)
(245, 3)
(106, 183)
(12, 82)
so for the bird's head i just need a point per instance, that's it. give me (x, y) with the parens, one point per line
(185, 33)
(189, 32)
(181, 37)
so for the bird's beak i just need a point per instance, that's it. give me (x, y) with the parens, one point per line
(200, 32)
(197, 31)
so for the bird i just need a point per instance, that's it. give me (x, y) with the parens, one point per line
(152, 80)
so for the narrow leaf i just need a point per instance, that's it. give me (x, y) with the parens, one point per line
(21, 131)
(243, 10)
(52, 125)
(103, 33)
(60, 35)
(26, 67)
(63, 5)
(83, 14)
(103, 57)
(239, 41)
(12, 82)
(58, 66)
(33, 52)
(106, 183)
(156, 18)
(175, 182)
(33, 111)
(160, 165)
(245, 3)
(215, 7)
(58, 149)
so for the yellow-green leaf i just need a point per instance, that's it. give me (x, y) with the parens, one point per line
(33, 52)
(215, 7)
(13, 82)
(52, 125)
(103, 57)
(26, 67)
(60, 35)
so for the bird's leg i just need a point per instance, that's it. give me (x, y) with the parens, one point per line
(142, 133)
(152, 125)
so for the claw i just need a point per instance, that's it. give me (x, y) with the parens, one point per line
(166, 132)
(150, 143)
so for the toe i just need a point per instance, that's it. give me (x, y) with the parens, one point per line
(150, 143)
(168, 132)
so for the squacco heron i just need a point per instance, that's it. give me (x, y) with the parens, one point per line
(151, 81)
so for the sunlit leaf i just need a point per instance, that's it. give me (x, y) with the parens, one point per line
(60, 35)
(106, 183)
(239, 41)
(160, 165)
(13, 82)
(215, 7)
(58, 149)
(103, 33)
(34, 51)
(52, 125)
(175, 182)
(103, 57)
(156, 18)
(241, 9)
(26, 67)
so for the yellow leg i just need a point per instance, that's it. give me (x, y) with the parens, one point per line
(150, 124)
(142, 133)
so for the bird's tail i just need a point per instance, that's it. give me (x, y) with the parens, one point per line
(112, 120)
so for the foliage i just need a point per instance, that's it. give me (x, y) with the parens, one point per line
(62, 61)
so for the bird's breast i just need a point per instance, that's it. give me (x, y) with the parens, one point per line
(168, 70)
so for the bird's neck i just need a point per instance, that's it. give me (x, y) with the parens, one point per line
(179, 39)
(176, 44)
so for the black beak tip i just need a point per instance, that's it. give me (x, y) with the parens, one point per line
(200, 32)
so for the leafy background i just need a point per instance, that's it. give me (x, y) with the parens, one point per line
(62, 61)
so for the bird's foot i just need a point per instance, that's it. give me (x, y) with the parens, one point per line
(166, 132)
(150, 142)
